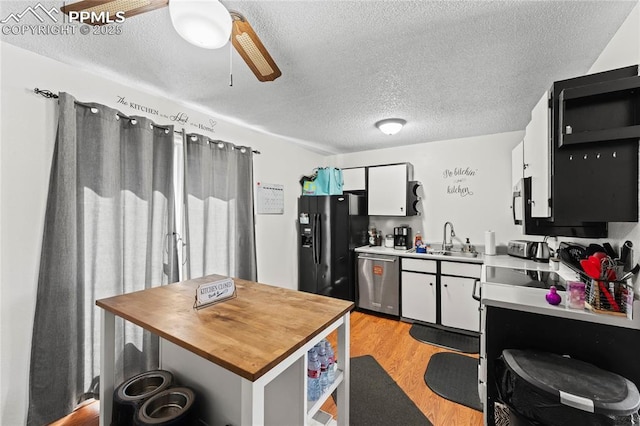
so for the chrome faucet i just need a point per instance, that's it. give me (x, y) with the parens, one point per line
(446, 246)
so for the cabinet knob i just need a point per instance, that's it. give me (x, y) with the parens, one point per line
(446, 285)
(431, 284)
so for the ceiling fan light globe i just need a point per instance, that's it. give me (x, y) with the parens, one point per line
(204, 23)
(390, 126)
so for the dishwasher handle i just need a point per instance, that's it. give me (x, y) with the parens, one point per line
(473, 292)
(378, 258)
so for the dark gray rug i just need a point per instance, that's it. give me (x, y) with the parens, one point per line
(376, 399)
(454, 377)
(469, 344)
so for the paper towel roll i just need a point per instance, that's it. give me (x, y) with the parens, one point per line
(489, 243)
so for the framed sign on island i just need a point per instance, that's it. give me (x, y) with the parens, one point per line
(245, 357)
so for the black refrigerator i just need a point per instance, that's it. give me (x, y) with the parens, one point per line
(330, 228)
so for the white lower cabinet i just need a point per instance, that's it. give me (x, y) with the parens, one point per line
(457, 306)
(419, 296)
(422, 279)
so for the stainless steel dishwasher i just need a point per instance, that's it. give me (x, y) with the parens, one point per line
(379, 283)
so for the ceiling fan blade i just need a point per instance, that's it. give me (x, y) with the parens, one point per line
(249, 46)
(129, 7)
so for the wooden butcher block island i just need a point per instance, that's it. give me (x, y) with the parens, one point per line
(245, 357)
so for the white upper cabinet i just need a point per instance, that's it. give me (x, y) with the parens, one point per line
(354, 179)
(537, 157)
(517, 156)
(387, 189)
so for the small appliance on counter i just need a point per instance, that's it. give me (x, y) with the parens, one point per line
(402, 238)
(521, 248)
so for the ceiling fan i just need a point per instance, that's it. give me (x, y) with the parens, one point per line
(243, 37)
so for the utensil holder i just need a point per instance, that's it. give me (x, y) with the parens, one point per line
(609, 297)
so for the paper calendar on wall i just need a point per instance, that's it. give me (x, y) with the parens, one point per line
(270, 198)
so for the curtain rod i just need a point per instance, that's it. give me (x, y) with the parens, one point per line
(50, 95)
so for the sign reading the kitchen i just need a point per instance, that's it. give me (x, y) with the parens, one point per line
(458, 180)
(215, 292)
(179, 117)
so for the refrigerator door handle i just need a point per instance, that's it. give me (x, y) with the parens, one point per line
(316, 238)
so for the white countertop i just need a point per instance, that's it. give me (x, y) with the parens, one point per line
(516, 297)
(533, 300)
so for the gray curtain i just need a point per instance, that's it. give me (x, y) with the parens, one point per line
(109, 230)
(219, 209)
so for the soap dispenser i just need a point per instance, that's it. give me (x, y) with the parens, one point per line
(468, 247)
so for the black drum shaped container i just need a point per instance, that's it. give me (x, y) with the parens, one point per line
(132, 393)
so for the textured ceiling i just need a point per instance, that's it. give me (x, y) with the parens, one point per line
(450, 68)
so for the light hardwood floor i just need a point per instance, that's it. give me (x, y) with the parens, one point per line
(404, 358)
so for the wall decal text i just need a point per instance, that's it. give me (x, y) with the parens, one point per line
(457, 180)
(179, 117)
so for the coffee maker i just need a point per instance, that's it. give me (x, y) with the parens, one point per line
(402, 238)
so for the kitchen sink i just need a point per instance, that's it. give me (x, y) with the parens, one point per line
(460, 253)
(452, 253)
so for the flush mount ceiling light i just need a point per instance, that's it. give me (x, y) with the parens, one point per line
(204, 23)
(391, 126)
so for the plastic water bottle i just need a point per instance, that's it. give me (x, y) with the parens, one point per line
(324, 363)
(313, 377)
(331, 368)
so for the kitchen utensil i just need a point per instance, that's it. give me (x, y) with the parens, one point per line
(612, 302)
(626, 255)
(628, 275)
(625, 251)
(591, 269)
(600, 255)
(594, 248)
(595, 261)
(610, 251)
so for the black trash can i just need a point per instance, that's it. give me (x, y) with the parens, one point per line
(549, 389)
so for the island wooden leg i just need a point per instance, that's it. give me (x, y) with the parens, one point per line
(107, 366)
(344, 331)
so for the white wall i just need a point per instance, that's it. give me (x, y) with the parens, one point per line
(26, 147)
(623, 50)
(488, 208)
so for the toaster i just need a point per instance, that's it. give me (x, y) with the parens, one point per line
(521, 248)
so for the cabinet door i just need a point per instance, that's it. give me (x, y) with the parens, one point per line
(387, 191)
(419, 296)
(517, 160)
(537, 157)
(457, 306)
(354, 179)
